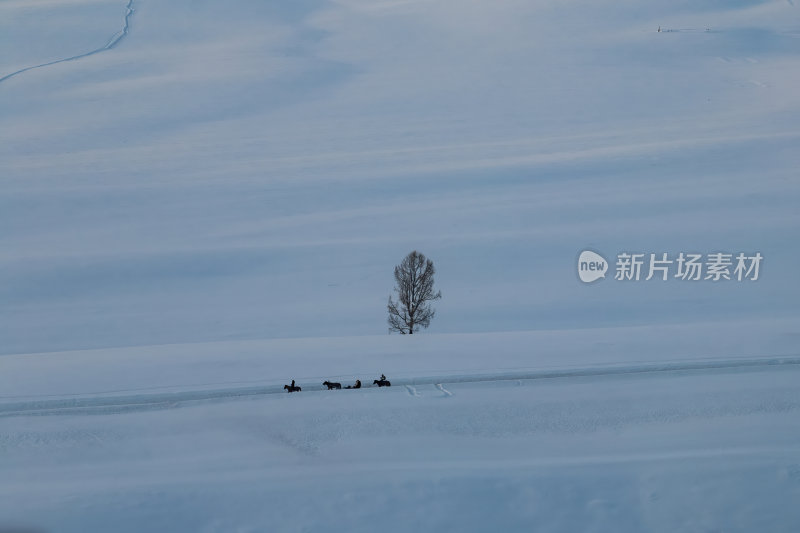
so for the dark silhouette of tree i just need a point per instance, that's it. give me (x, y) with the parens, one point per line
(414, 288)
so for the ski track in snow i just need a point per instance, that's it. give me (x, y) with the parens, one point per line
(109, 404)
(445, 393)
(114, 41)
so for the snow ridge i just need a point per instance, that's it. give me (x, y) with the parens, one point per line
(114, 41)
(132, 401)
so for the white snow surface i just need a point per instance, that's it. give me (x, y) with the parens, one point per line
(575, 430)
(201, 201)
(255, 169)
(678, 446)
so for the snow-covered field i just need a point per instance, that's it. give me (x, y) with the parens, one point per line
(696, 451)
(200, 201)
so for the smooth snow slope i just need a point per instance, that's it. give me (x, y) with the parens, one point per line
(227, 368)
(664, 452)
(255, 169)
(572, 430)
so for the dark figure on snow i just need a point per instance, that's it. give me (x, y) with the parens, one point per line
(383, 382)
(356, 386)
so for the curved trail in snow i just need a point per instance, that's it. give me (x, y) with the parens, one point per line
(114, 41)
(133, 401)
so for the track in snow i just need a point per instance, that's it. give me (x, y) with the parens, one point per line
(445, 393)
(114, 41)
(107, 404)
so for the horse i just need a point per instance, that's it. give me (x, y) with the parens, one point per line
(331, 385)
(382, 383)
(292, 388)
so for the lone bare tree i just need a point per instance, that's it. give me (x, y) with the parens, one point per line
(414, 288)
